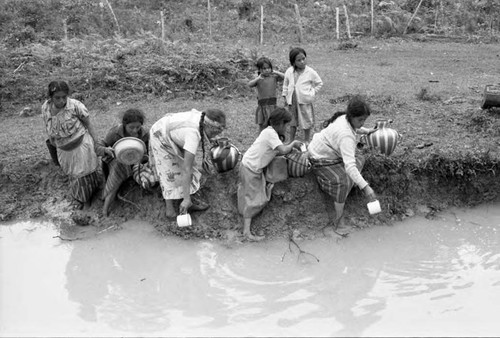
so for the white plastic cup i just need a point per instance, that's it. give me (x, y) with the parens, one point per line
(374, 207)
(184, 220)
(303, 147)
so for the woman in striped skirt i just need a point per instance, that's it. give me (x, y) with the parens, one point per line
(70, 130)
(332, 152)
(116, 173)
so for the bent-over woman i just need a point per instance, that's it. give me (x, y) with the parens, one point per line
(116, 173)
(70, 130)
(332, 152)
(174, 142)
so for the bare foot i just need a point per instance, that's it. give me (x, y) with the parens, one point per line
(253, 238)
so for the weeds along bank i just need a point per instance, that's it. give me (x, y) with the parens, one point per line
(406, 185)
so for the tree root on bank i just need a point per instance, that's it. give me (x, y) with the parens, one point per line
(291, 241)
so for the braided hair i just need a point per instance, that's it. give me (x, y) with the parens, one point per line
(356, 107)
(201, 129)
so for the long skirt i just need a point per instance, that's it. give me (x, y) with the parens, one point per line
(253, 192)
(117, 174)
(167, 167)
(80, 164)
(302, 114)
(333, 179)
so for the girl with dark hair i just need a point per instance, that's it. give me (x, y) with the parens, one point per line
(71, 132)
(332, 153)
(115, 172)
(173, 144)
(300, 86)
(253, 190)
(266, 83)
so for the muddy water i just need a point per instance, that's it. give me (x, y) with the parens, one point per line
(417, 278)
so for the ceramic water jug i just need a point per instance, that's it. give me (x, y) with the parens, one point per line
(384, 139)
(224, 155)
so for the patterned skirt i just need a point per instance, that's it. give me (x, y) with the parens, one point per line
(80, 164)
(167, 167)
(333, 179)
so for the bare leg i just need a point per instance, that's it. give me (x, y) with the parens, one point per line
(246, 230)
(339, 212)
(170, 212)
(108, 200)
(293, 131)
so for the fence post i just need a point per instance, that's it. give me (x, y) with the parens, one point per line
(209, 20)
(261, 24)
(114, 16)
(162, 23)
(347, 22)
(372, 18)
(297, 14)
(411, 19)
(337, 19)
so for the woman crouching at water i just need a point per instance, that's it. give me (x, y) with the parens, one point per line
(174, 142)
(116, 173)
(70, 130)
(332, 152)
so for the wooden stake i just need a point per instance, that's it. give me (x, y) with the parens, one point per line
(114, 16)
(347, 22)
(337, 19)
(209, 20)
(372, 18)
(261, 24)
(162, 21)
(297, 14)
(411, 19)
(65, 29)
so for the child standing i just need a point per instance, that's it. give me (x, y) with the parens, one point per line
(300, 86)
(266, 83)
(253, 190)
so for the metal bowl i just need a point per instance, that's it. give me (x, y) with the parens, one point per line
(129, 150)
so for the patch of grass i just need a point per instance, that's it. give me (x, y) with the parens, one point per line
(425, 95)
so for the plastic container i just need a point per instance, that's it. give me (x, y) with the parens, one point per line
(184, 220)
(374, 207)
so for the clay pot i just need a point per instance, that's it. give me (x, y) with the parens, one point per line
(224, 155)
(384, 139)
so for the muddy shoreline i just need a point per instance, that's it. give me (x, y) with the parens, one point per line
(407, 184)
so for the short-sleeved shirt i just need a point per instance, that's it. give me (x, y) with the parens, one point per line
(262, 151)
(66, 126)
(266, 87)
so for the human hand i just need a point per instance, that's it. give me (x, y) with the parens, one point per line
(369, 193)
(110, 152)
(185, 205)
(297, 144)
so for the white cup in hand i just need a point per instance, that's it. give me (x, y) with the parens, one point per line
(374, 207)
(184, 220)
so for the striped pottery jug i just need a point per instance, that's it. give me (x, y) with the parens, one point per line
(384, 139)
(224, 155)
(298, 163)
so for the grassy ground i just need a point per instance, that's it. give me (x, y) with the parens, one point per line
(431, 90)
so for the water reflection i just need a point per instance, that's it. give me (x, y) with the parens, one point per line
(420, 277)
